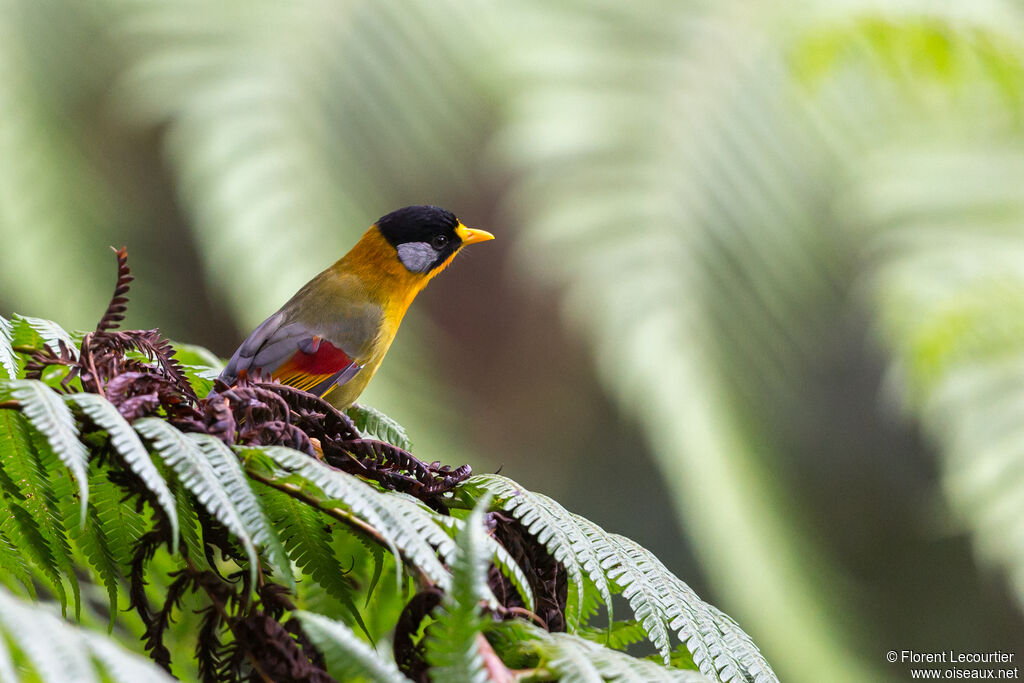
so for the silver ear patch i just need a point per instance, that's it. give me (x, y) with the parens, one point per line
(416, 256)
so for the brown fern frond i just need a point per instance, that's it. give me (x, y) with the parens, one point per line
(119, 302)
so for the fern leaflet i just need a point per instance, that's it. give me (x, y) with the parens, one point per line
(128, 445)
(7, 360)
(403, 526)
(374, 424)
(556, 529)
(33, 522)
(304, 534)
(50, 333)
(347, 656)
(51, 418)
(238, 489)
(194, 471)
(451, 644)
(578, 659)
(59, 652)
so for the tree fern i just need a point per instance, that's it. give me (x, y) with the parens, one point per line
(52, 418)
(126, 442)
(347, 656)
(276, 503)
(194, 471)
(452, 647)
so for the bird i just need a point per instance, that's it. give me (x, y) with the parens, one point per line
(331, 336)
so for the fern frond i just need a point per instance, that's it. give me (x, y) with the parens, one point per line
(7, 360)
(30, 330)
(128, 445)
(34, 523)
(120, 665)
(502, 560)
(374, 424)
(59, 652)
(303, 531)
(12, 559)
(660, 601)
(52, 418)
(121, 525)
(238, 489)
(194, 471)
(452, 650)
(576, 659)
(403, 526)
(555, 528)
(618, 636)
(91, 541)
(347, 656)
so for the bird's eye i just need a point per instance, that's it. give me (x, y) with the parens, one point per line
(439, 242)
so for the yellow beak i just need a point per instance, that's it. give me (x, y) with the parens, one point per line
(472, 235)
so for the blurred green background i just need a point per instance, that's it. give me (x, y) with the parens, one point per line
(756, 301)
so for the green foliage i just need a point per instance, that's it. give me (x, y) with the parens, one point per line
(452, 646)
(241, 536)
(58, 653)
(376, 425)
(7, 361)
(347, 656)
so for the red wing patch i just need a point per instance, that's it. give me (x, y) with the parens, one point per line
(305, 370)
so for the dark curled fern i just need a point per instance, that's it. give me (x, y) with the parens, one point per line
(114, 314)
(409, 655)
(547, 577)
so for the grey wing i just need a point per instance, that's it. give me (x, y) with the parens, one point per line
(269, 345)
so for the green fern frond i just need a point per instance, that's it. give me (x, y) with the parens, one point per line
(35, 523)
(13, 566)
(374, 424)
(303, 530)
(191, 464)
(238, 489)
(661, 602)
(502, 560)
(574, 659)
(90, 539)
(52, 418)
(120, 665)
(403, 525)
(7, 360)
(59, 653)
(619, 635)
(189, 524)
(119, 522)
(29, 331)
(348, 657)
(556, 529)
(128, 445)
(452, 649)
